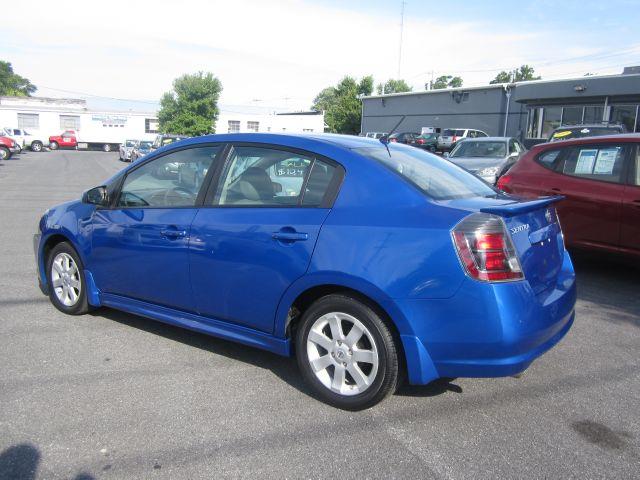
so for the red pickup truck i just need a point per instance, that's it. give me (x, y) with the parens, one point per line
(7, 148)
(67, 139)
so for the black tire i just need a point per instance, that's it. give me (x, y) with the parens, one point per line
(5, 153)
(432, 149)
(82, 305)
(386, 379)
(36, 146)
(53, 145)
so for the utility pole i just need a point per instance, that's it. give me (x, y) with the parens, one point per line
(401, 33)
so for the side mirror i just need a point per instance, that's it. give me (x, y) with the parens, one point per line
(446, 154)
(96, 196)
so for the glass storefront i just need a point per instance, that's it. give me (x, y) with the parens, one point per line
(555, 116)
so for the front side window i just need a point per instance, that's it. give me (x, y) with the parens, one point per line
(435, 176)
(259, 176)
(602, 163)
(172, 180)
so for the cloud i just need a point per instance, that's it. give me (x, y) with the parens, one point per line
(281, 52)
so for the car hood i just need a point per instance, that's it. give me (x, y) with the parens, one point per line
(477, 163)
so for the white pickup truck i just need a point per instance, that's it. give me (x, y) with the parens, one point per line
(34, 141)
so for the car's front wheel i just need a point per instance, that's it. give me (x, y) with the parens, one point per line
(65, 273)
(347, 353)
(5, 153)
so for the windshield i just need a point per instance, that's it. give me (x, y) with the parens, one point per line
(567, 133)
(130, 143)
(145, 145)
(435, 176)
(469, 148)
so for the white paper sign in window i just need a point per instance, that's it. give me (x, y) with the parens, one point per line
(605, 161)
(585, 162)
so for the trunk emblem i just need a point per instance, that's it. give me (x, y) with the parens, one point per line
(519, 228)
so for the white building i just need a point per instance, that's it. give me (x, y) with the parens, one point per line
(51, 116)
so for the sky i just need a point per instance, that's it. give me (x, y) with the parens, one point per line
(280, 54)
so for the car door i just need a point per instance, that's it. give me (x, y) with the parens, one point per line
(257, 230)
(591, 179)
(140, 244)
(630, 220)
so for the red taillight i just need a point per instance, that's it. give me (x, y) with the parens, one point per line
(454, 139)
(485, 249)
(504, 183)
(420, 141)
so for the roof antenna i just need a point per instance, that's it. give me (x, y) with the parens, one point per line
(385, 138)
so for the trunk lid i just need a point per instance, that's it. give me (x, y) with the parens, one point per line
(535, 232)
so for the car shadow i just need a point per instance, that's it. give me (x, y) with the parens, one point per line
(284, 368)
(609, 281)
(21, 462)
(433, 389)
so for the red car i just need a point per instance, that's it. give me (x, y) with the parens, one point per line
(7, 148)
(600, 178)
(68, 139)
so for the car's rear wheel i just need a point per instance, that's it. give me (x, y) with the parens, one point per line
(347, 353)
(53, 145)
(36, 146)
(65, 275)
(5, 153)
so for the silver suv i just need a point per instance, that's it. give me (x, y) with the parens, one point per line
(450, 136)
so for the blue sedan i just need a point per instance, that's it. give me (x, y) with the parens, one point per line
(369, 262)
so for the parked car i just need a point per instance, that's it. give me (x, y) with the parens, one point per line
(166, 139)
(450, 136)
(66, 139)
(126, 148)
(142, 148)
(568, 132)
(374, 258)
(427, 141)
(408, 138)
(31, 140)
(600, 180)
(375, 135)
(487, 157)
(7, 147)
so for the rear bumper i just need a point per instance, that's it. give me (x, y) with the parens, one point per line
(487, 330)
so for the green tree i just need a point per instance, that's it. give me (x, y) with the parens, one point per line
(191, 108)
(342, 105)
(445, 81)
(525, 72)
(393, 86)
(13, 84)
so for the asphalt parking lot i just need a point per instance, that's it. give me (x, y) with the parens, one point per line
(111, 395)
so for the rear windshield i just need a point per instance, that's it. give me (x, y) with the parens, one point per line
(435, 176)
(469, 148)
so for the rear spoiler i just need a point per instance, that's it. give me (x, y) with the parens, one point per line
(516, 208)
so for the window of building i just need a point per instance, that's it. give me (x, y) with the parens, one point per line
(253, 126)
(550, 120)
(28, 121)
(625, 115)
(151, 125)
(533, 125)
(234, 126)
(307, 130)
(572, 115)
(593, 114)
(69, 122)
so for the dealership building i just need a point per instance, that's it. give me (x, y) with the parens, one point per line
(526, 110)
(51, 116)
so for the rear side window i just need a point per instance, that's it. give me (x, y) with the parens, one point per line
(435, 176)
(602, 163)
(549, 159)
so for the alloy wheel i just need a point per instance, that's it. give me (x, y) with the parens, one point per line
(65, 279)
(342, 353)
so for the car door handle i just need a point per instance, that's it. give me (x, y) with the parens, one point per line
(289, 236)
(171, 234)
